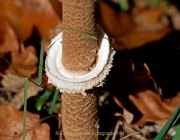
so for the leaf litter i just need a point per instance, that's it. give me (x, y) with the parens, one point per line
(131, 30)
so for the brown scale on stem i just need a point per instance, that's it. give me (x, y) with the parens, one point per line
(79, 51)
(79, 112)
(79, 116)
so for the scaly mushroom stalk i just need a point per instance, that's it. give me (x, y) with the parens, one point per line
(76, 63)
(80, 116)
(79, 112)
(79, 51)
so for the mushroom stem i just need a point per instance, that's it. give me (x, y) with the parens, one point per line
(79, 116)
(79, 112)
(79, 51)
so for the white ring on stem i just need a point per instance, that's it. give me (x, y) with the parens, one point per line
(74, 82)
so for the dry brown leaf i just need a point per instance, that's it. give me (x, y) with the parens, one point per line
(45, 82)
(136, 39)
(135, 30)
(152, 107)
(176, 20)
(24, 15)
(172, 103)
(151, 25)
(12, 125)
(13, 85)
(25, 61)
(151, 20)
(8, 41)
(113, 22)
(57, 5)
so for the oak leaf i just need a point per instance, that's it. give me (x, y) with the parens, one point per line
(8, 40)
(24, 15)
(134, 29)
(11, 126)
(153, 108)
(13, 85)
(25, 61)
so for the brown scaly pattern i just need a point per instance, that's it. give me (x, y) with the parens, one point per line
(79, 112)
(80, 116)
(79, 51)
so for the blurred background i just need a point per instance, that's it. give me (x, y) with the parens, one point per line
(141, 91)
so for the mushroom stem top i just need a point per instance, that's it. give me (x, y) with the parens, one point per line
(79, 51)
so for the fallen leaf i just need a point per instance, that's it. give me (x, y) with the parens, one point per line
(128, 116)
(25, 61)
(151, 20)
(46, 84)
(13, 85)
(172, 103)
(117, 23)
(176, 20)
(57, 5)
(24, 15)
(8, 40)
(152, 107)
(4, 65)
(151, 25)
(132, 30)
(11, 126)
(135, 39)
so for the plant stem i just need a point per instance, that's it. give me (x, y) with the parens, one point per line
(25, 106)
(168, 125)
(53, 101)
(40, 70)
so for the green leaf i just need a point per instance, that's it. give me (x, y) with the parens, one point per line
(168, 125)
(124, 5)
(79, 31)
(57, 106)
(177, 135)
(25, 106)
(40, 70)
(40, 102)
(155, 3)
(53, 103)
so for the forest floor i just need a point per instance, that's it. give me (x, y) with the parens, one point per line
(141, 92)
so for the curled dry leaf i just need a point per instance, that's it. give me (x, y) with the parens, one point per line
(176, 20)
(172, 103)
(150, 20)
(12, 125)
(24, 15)
(117, 23)
(135, 39)
(25, 61)
(152, 107)
(151, 25)
(13, 85)
(8, 41)
(45, 82)
(57, 5)
(133, 30)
